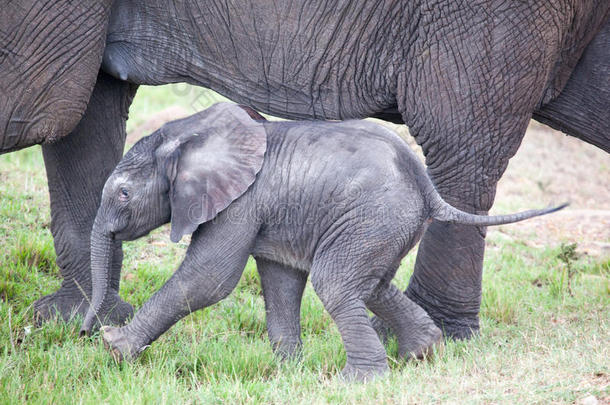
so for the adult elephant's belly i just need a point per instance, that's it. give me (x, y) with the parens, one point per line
(281, 59)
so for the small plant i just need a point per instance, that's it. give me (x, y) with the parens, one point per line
(567, 254)
(543, 185)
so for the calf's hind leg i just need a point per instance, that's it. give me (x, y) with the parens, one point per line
(343, 284)
(416, 332)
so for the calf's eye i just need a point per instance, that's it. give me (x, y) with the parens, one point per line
(123, 194)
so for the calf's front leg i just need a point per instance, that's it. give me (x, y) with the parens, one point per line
(211, 269)
(283, 290)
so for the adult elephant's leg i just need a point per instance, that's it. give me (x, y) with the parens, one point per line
(446, 280)
(77, 167)
(468, 106)
(448, 270)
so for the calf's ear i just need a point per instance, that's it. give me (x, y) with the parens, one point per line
(211, 163)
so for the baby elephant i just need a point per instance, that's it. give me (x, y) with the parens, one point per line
(341, 202)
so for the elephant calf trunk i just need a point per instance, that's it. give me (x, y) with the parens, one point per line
(102, 245)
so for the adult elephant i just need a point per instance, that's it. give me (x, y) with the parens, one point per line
(52, 93)
(466, 77)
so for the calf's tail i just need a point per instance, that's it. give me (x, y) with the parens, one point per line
(442, 211)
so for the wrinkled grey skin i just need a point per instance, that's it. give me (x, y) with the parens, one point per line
(464, 76)
(341, 203)
(51, 86)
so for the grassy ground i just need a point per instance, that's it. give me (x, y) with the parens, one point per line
(538, 342)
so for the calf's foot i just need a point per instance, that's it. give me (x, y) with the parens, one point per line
(382, 329)
(117, 342)
(422, 344)
(428, 339)
(417, 334)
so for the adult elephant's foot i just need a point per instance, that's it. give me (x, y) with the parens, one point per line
(454, 324)
(120, 313)
(66, 304)
(363, 374)
(287, 349)
(63, 304)
(115, 311)
(446, 281)
(117, 342)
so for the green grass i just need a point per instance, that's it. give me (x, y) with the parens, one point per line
(150, 100)
(538, 343)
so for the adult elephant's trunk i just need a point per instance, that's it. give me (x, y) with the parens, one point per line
(104, 299)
